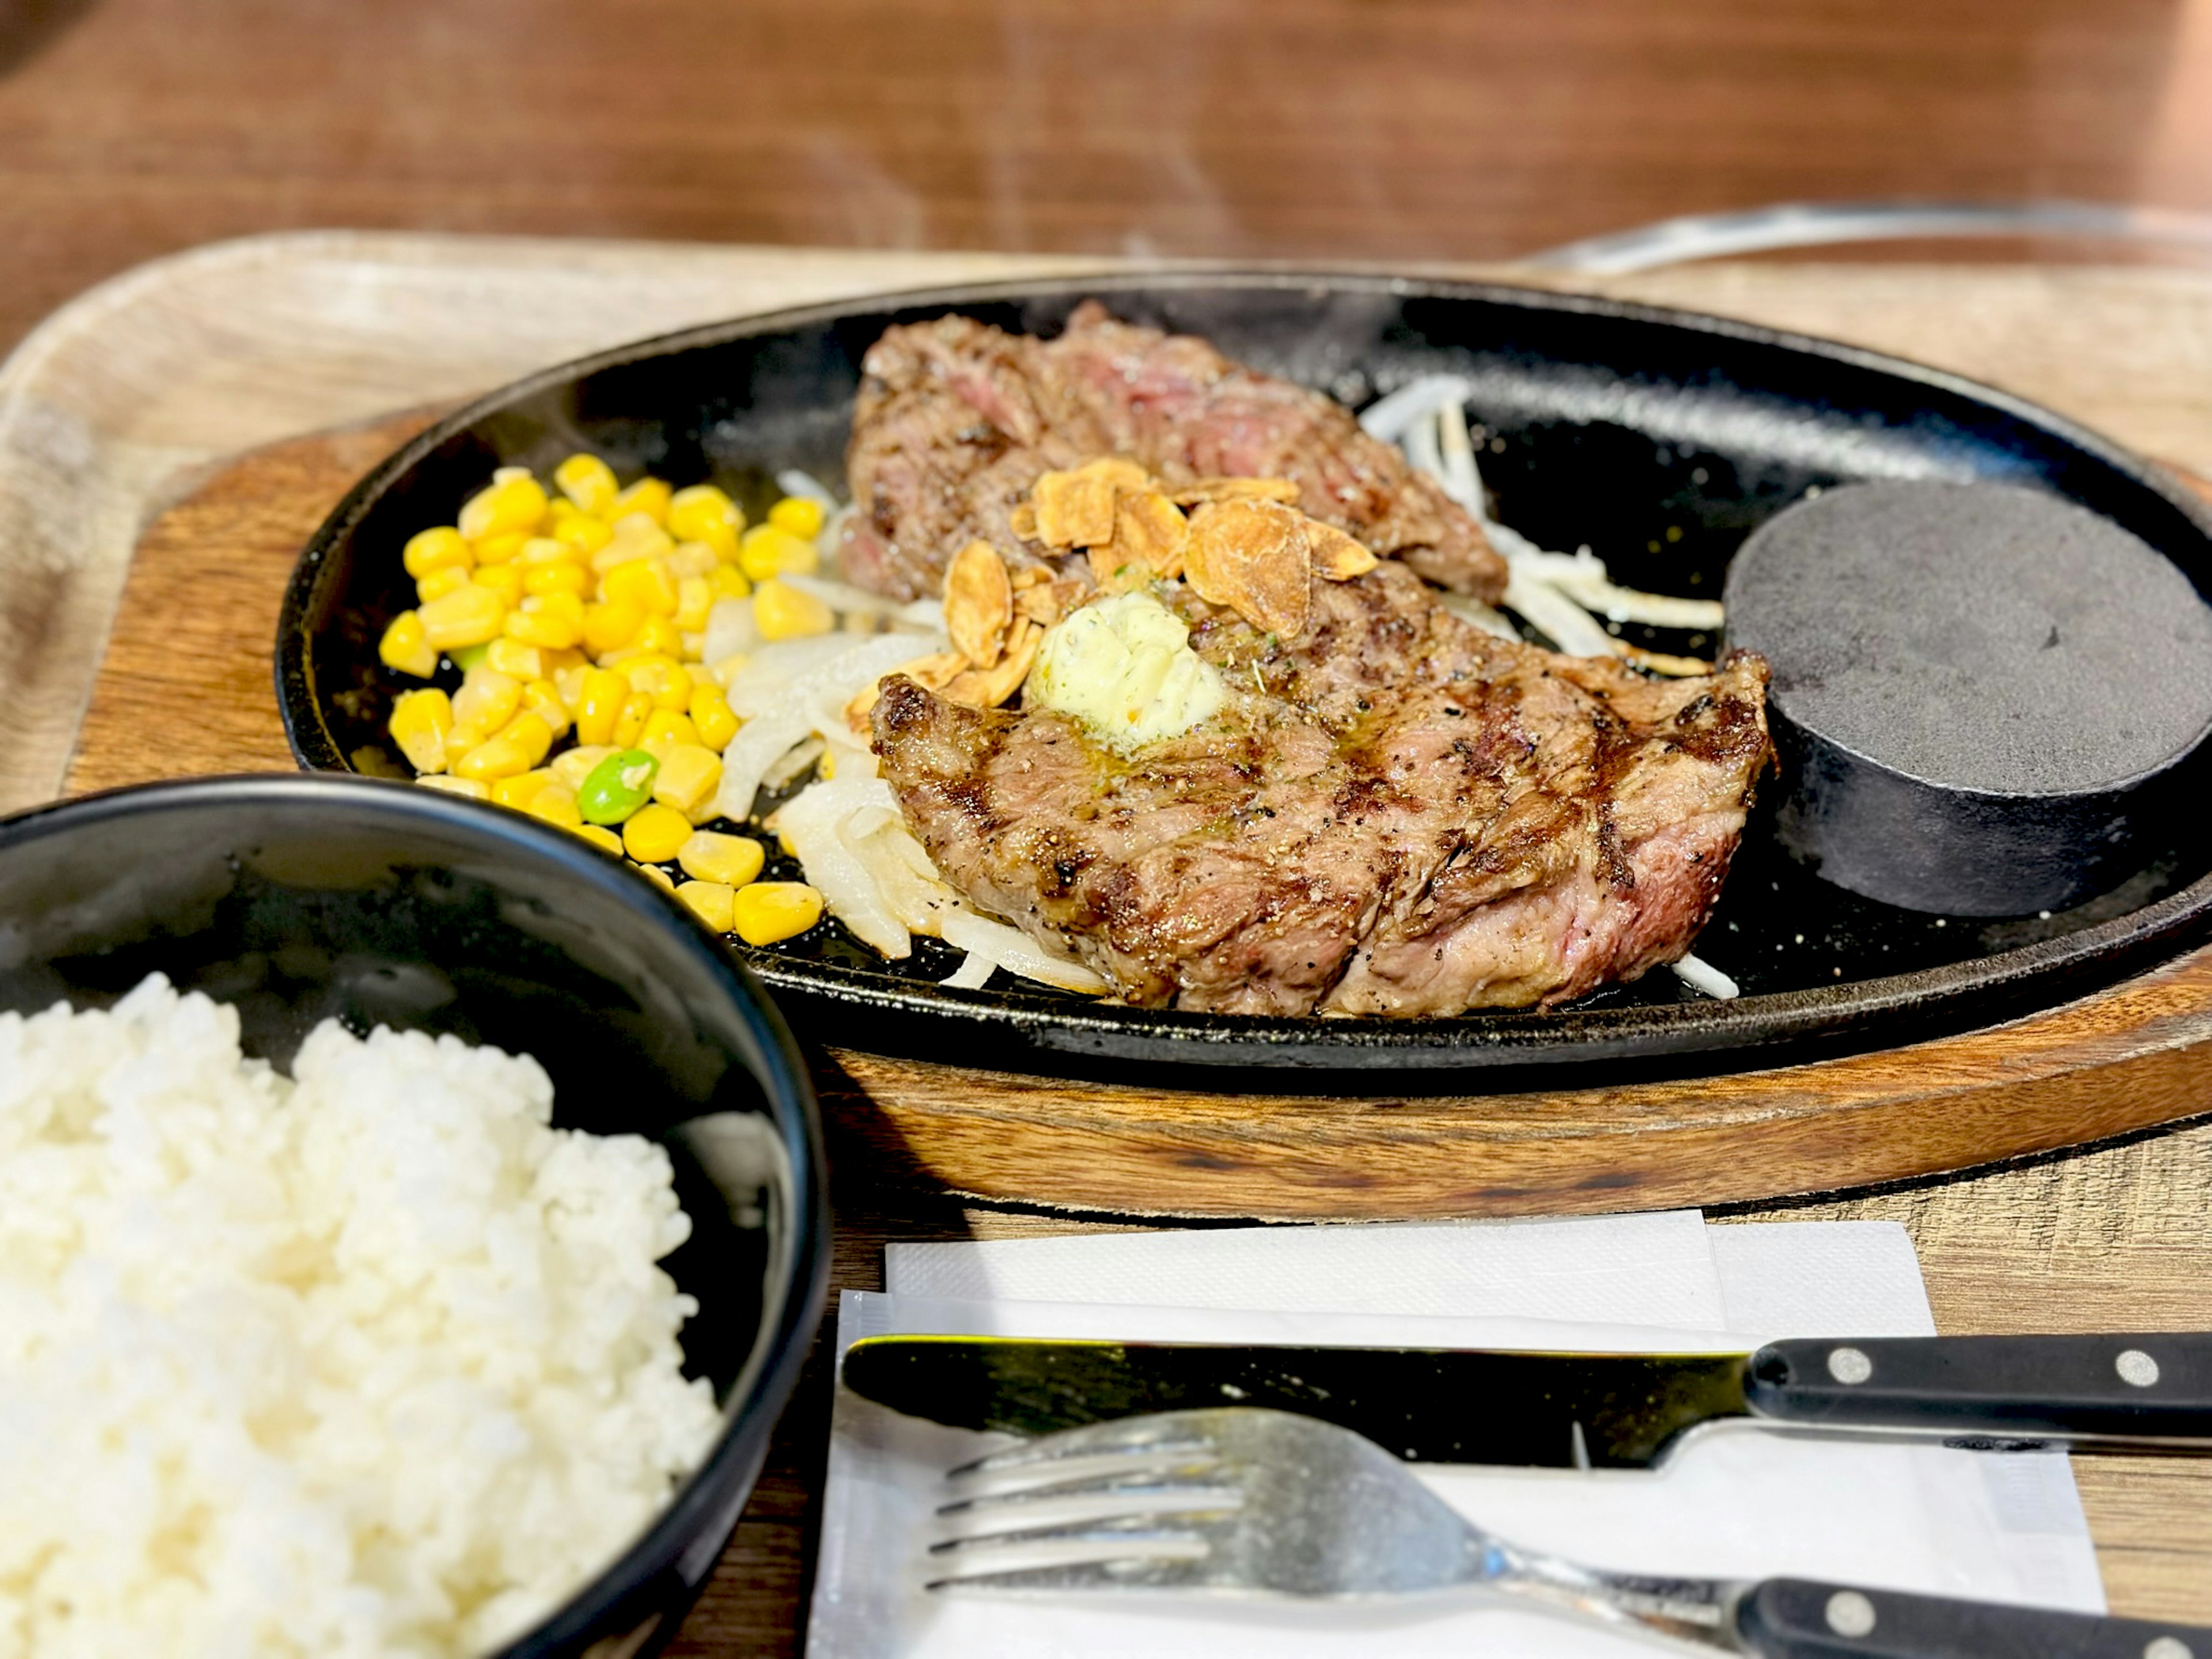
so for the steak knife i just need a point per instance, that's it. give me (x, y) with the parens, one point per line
(2149, 1391)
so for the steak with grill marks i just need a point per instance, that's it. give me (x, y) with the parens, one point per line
(956, 420)
(1403, 816)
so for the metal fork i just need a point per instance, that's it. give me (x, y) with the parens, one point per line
(1240, 1501)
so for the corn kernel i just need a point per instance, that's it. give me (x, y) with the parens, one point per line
(644, 583)
(467, 786)
(468, 615)
(500, 550)
(781, 612)
(572, 766)
(601, 837)
(565, 577)
(733, 860)
(637, 536)
(543, 699)
(766, 550)
(513, 658)
(659, 878)
(663, 730)
(502, 580)
(660, 678)
(588, 481)
(441, 582)
(572, 663)
(710, 900)
(584, 535)
(441, 549)
(487, 700)
(660, 635)
(556, 806)
(636, 709)
(532, 732)
(545, 550)
(512, 503)
(690, 559)
(495, 758)
(421, 722)
(690, 774)
(694, 599)
(652, 834)
(539, 627)
(799, 515)
(518, 790)
(692, 508)
(769, 911)
(728, 582)
(600, 707)
(650, 496)
(406, 647)
(711, 716)
(611, 626)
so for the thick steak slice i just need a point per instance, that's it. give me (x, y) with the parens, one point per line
(956, 420)
(1403, 817)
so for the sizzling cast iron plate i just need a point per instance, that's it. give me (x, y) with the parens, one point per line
(1660, 439)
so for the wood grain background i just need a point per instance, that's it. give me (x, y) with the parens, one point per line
(1395, 130)
(2108, 1239)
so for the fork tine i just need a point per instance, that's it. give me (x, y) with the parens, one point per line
(1106, 1536)
(1094, 1501)
(1082, 1476)
(1072, 1559)
(1165, 1434)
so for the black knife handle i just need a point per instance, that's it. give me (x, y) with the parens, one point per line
(1796, 1619)
(2155, 1385)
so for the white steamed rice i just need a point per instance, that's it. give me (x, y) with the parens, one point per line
(371, 1361)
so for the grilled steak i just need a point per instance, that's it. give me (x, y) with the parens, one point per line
(957, 420)
(1402, 816)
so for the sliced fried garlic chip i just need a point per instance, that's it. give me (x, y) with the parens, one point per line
(1336, 557)
(1074, 509)
(1252, 556)
(979, 603)
(1021, 519)
(987, 688)
(1149, 526)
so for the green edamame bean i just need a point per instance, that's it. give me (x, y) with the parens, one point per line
(617, 786)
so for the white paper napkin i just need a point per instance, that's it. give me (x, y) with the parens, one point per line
(1743, 1504)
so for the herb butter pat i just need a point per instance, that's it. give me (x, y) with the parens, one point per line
(1124, 667)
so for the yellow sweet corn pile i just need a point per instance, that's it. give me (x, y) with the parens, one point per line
(576, 613)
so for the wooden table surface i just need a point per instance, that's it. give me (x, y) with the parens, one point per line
(1392, 130)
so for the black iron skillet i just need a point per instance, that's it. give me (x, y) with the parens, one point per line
(1660, 439)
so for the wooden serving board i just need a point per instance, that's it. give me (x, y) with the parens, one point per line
(2107, 1239)
(185, 690)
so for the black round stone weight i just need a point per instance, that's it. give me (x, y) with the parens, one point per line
(1981, 694)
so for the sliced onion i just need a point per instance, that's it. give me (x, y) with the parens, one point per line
(791, 763)
(974, 972)
(1018, 952)
(792, 481)
(1701, 975)
(1558, 618)
(759, 743)
(810, 821)
(1390, 417)
(1468, 608)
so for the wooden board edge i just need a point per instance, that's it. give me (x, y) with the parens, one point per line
(2126, 1058)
